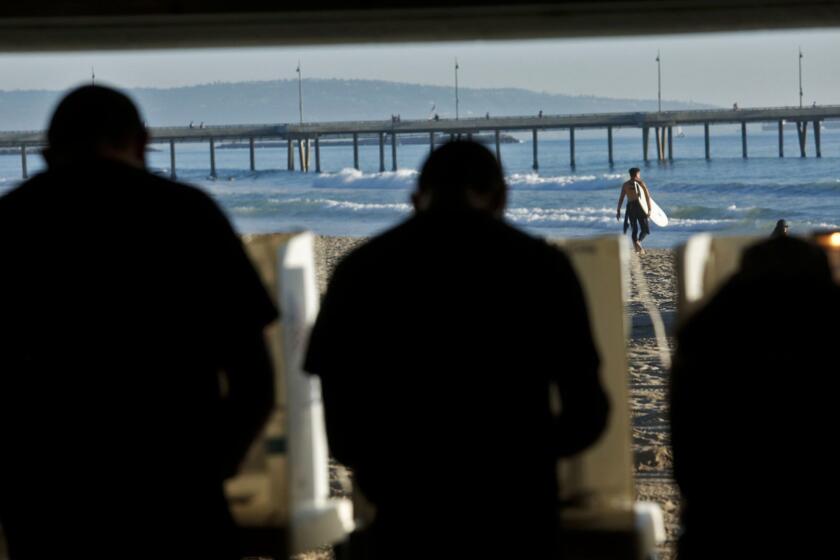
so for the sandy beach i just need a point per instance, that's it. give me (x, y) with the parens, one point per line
(648, 378)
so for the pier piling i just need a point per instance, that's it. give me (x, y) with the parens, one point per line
(781, 139)
(381, 152)
(535, 141)
(498, 145)
(317, 154)
(816, 125)
(706, 139)
(744, 139)
(802, 132)
(356, 150)
(645, 136)
(572, 146)
(250, 153)
(610, 144)
(393, 151)
(670, 143)
(172, 173)
(303, 154)
(212, 158)
(290, 154)
(23, 166)
(660, 152)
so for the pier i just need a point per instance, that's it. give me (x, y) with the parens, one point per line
(303, 138)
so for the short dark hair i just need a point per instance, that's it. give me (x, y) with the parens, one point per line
(91, 117)
(459, 167)
(786, 258)
(634, 171)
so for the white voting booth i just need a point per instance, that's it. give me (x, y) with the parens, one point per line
(704, 264)
(281, 495)
(291, 489)
(604, 521)
(282, 491)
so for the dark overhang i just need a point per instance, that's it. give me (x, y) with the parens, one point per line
(45, 25)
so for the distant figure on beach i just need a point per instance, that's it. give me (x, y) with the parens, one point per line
(540, 114)
(133, 371)
(191, 124)
(438, 345)
(753, 409)
(781, 229)
(735, 106)
(635, 216)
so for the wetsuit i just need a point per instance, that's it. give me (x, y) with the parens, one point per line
(635, 217)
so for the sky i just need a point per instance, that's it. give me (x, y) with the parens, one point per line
(753, 69)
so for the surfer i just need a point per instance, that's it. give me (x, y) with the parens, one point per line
(636, 216)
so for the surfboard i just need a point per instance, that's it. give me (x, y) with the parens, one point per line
(657, 215)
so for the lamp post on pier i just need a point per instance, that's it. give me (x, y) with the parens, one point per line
(800, 77)
(658, 82)
(300, 93)
(456, 90)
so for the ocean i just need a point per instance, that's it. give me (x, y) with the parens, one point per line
(727, 195)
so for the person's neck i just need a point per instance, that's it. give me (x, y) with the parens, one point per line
(126, 157)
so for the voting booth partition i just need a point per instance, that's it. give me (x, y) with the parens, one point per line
(281, 496)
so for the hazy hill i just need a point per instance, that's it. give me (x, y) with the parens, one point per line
(324, 100)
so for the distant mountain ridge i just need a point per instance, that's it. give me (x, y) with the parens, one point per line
(323, 100)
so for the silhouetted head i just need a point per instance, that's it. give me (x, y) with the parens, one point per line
(787, 260)
(634, 172)
(461, 176)
(781, 229)
(95, 122)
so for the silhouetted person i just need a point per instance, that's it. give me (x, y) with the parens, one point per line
(781, 229)
(754, 391)
(437, 344)
(133, 371)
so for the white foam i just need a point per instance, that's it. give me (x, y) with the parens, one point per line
(360, 207)
(533, 180)
(560, 215)
(399, 179)
(698, 222)
(348, 205)
(826, 225)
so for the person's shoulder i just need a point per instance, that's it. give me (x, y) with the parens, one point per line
(538, 250)
(11, 201)
(377, 249)
(178, 195)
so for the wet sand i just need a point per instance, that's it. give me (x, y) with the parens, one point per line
(648, 380)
